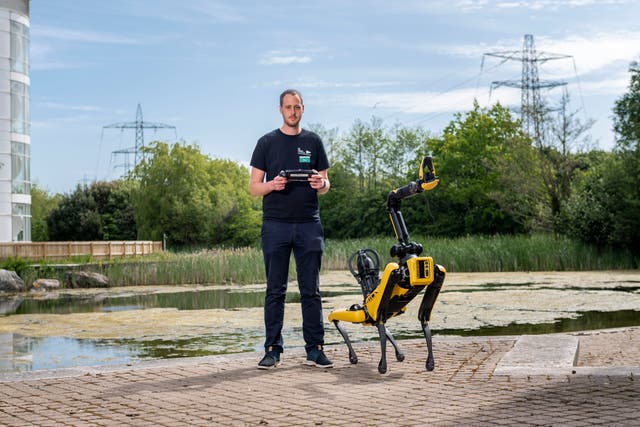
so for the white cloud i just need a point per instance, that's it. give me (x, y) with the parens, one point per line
(323, 84)
(586, 53)
(61, 122)
(284, 60)
(554, 4)
(615, 86)
(83, 36)
(594, 52)
(67, 107)
(473, 6)
(303, 54)
(429, 102)
(42, 59)
(189, 12)
(218, 11)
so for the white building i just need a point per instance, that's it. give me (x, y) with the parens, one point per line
(15, 140)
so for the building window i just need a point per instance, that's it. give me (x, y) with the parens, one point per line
(19, 48)
(21, 220)
(20, 168)
(19, 107)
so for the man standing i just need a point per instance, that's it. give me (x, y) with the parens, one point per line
(291, 222)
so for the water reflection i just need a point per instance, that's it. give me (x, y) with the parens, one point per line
(201, 299)
(183, 300)
(585, 321)
(19, 353)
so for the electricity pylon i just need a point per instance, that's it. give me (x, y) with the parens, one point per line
(532, 107)
(139, 125)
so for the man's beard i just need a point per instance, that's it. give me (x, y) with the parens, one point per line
(293, 122)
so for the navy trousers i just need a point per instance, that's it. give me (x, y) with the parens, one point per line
(306, 241)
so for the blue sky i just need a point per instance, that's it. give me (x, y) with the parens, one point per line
(214, 69)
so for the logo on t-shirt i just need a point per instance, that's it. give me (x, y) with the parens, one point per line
(304, 156)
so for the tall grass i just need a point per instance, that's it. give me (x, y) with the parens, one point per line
(222, 266)
(540, 252)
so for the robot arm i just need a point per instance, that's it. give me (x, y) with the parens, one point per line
(427, 181)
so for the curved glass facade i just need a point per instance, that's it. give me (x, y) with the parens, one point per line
(15, 122)
(19, 107)
(20, 168)
(19, 48)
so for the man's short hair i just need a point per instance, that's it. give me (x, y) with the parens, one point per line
(291, 92)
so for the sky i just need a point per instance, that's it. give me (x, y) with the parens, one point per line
(215, 69)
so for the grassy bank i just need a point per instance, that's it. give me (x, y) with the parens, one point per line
(539, 252)
(467, 254)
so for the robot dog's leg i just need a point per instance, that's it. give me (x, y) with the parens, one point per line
(399, 353)
(353, 358)
(427, 335)
(424, 313)
(382, 331)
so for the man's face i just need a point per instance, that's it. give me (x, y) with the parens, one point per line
(291, 110)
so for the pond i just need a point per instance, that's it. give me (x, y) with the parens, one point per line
(123, 325)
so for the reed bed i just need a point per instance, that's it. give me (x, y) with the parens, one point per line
(540, 252)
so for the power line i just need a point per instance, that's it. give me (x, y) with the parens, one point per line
(139, 125)
(532, 107)
(438, 95)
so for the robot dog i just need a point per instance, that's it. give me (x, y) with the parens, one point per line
(401, 281)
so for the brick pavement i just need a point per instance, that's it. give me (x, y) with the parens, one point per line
(229, 390)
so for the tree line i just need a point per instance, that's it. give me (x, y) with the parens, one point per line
(494, 178)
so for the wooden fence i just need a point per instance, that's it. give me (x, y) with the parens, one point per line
(64, 250)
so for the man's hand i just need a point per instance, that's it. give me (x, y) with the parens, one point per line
(278, 183)
(317, 181)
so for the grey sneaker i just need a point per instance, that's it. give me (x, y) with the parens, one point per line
(270, 360)
(316, 357)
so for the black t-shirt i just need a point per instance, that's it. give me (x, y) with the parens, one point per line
(276, 151)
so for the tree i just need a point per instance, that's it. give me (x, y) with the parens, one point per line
(192, 199)
(557, 153)
(366, 164)
(624, 182)
(363, 151)
(101, 211)
(42, 204)
(605, 208)
(489, 179)
(626, 121)
(402, 154)
(329, 139)
(586, 214)
(115, 205)
(76, 218)
(239, 213)
(349, 212)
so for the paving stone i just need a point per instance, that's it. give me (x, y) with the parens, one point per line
(229, 390)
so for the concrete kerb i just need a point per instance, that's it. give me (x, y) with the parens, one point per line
(552, 355)
(533, 353)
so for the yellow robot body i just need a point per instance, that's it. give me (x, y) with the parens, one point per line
(401, 281)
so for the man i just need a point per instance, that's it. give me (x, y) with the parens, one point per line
(291, 222)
